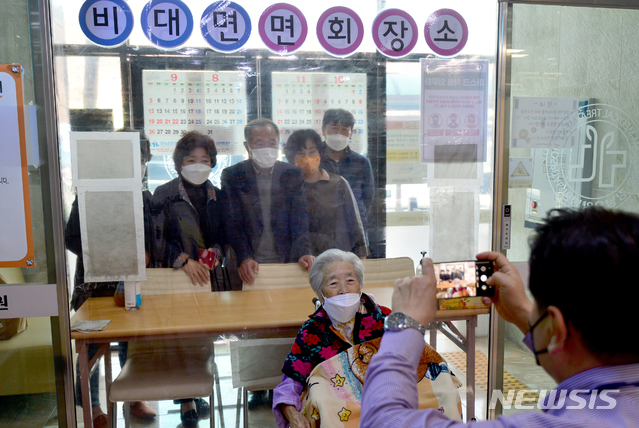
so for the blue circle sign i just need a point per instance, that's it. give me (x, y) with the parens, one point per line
(167, 23)
(226, 26)
(106, 22)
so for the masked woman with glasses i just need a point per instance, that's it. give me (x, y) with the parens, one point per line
(347, 317)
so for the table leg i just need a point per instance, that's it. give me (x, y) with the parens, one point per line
(471, 323)
(84, 382)
(433, 335)
(106, 349)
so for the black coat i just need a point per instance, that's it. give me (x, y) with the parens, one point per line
(176, 223)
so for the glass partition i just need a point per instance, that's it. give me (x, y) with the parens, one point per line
(571, 141)
(411, 189)
(28, 388)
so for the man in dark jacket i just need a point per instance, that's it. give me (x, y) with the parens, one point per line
(267, 221)
(338, 158)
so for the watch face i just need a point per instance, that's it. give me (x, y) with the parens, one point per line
(395, 321)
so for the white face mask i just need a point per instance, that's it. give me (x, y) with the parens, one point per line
(264, 158)
(337, 142)
(343, 307)
(143, 170)
(196, 173)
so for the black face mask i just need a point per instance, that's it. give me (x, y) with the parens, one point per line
(531, 328)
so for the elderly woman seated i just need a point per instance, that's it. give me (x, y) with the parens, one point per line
(347, 317)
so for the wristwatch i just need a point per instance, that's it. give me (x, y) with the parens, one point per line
(398, 321)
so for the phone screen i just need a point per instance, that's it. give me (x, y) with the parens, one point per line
(460, 279)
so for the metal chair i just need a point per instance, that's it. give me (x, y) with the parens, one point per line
(168, 369)
(256, 365)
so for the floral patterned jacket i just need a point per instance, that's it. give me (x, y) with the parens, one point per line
(318, 341)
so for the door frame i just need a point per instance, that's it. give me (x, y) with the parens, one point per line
(502, 137)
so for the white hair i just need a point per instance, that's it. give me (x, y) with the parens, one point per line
(328, 257)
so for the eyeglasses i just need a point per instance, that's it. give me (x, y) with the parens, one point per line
(532, 339)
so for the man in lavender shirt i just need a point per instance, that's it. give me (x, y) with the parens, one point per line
(577, 331)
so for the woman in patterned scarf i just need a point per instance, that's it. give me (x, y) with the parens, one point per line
(347, 317)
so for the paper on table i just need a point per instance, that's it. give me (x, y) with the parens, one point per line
(86, 326)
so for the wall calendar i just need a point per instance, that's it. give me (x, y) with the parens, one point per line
(300, 100)
(211, 102)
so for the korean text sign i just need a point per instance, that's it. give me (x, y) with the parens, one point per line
(16, 241)
(453, 109)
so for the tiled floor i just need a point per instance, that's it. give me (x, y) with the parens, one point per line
(38, 410)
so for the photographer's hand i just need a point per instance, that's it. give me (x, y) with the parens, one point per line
(416, 296)
(510, 297)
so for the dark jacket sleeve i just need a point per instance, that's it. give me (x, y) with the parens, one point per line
(353, 220)
(368, 185)
(158, 234)
(148, 226)
(216, 211)
(298, 215)
(72, 238)
(173, 243)
(233, 217)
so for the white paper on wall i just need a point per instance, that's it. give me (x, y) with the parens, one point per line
(110, 156)
(112, 230)
(454, 224)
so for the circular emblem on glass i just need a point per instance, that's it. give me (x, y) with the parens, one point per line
(340, 31)
(395, 33)
(446, 32)
(592, 158)
(167, 23)
(106, 22)
(226, 26)
(283, 28)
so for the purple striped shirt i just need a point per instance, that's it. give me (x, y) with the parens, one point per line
(390, 394)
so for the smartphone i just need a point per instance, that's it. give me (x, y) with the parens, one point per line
(464, 279)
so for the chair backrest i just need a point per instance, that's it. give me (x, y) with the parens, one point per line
(279, 275)
(175, 346)
(387, 270)
(170, 281)
(256, 364)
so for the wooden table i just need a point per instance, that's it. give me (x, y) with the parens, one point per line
(274, 311)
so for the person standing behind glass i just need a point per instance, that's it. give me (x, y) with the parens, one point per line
(338, 158)
(188, 211)
(268, 219)
(333, 216)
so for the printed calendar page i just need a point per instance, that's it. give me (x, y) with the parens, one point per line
(211, 102)
(300, 100)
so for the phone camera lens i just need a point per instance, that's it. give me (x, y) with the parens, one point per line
(483, 268)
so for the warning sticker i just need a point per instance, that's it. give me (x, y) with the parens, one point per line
(520, 173)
